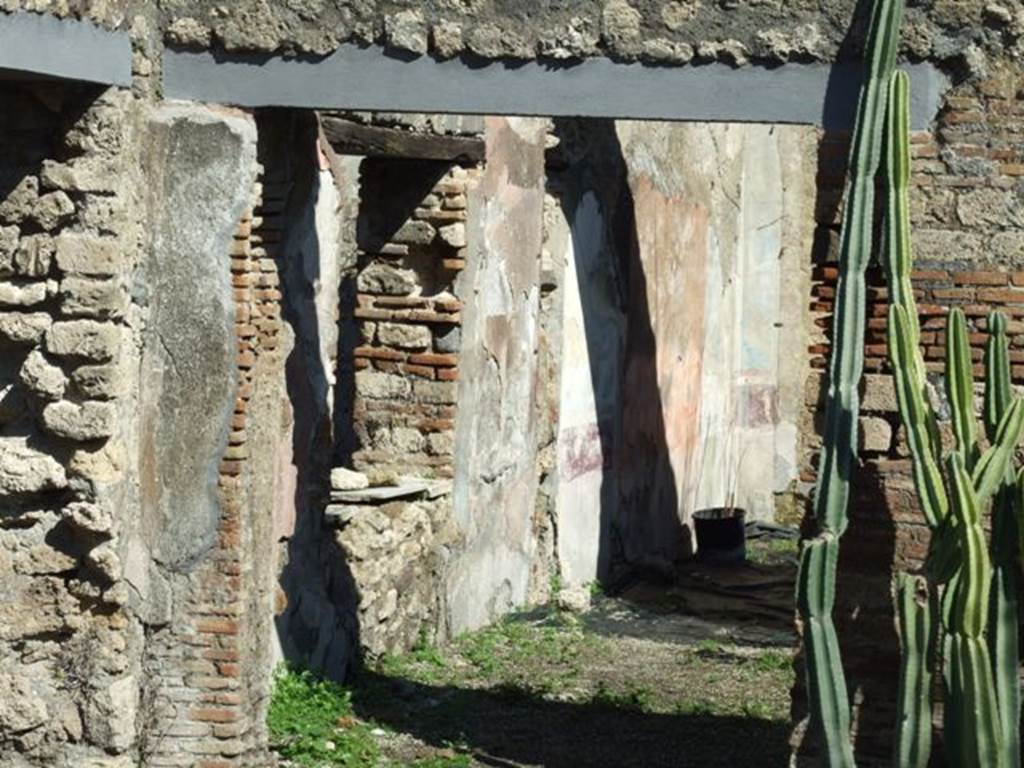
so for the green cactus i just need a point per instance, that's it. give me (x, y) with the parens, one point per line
(829, 704)
(1003, 613)
(918, 637)
(979, 655)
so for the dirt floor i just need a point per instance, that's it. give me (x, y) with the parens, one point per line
(692, 672)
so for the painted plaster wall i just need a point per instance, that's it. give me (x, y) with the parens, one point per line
(495, 452)
(684, 267)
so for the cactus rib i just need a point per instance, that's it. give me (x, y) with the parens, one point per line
(918, 637)
(816, 586)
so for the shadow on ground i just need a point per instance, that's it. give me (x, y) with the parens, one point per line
(509, 727)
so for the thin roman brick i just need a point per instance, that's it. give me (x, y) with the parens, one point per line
(1001, 295)
(987, 277)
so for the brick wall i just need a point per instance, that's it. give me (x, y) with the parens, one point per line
(413, 247)
(968, 217)
(207, 674)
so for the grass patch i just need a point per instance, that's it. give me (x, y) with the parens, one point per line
(771, 551)
(312, 724)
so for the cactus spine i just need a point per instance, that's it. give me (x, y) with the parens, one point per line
(979, 611)
(829, 703)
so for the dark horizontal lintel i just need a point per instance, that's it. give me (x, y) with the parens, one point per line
(350, 138)
(34, 45)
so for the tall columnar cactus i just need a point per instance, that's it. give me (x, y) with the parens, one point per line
(826, 682)
(1003, 618)
(978, 656)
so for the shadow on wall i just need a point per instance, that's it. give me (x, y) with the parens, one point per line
(318, 627)
(639, 504)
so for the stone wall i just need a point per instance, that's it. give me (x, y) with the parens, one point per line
(664, 32)
(968, 234)
(69, 644)
(413, 243)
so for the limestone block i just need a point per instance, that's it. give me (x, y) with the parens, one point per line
(620, 22)
(447, 39)
(87, 254)
(661, 50)
(20, 201)
(383, 386)
(39, 558)
(407, 31)
(27, 470)
(938, 244)
(8, 247)
(79, 175)
(43, 378)
(454, 234)
(676, 14)
(574, 599)
(91, 297)
(83, 338)
(105, 559)
(110, 715)
(399, 440)
(343, 479)
(875, 434)
(1007, 246)
(21, 708)
(368, 331)
(52, 210)
(404, 336)
(22, 294)
(440, 392)
(414, 233)
(89, 516)
(385, 279)
(34, 256)
(100, 382)
(24, 328)
(441, 443)
(36, 605)
(104, 465)
(90, 420)
(879, 394)
(986, 206)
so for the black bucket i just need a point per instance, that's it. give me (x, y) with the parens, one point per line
(721, 536)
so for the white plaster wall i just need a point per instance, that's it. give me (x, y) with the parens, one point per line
(706, 365)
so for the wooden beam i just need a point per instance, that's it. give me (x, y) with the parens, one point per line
(349, 138)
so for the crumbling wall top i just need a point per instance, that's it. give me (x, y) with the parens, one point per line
(669, 32)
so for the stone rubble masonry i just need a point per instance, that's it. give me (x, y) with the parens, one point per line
(394, 549)
(967, 204)
(67, 683)
(408, 320)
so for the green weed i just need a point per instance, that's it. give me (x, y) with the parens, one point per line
(311, 723)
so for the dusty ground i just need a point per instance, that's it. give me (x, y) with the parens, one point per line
(637, 681)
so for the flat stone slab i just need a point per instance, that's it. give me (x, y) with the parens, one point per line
(407, 488)
(381, 492)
